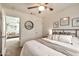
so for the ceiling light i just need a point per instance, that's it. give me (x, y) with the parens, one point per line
(41, 8)
(65, 18)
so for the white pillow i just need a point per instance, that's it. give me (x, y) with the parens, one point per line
(75, 41)
(55, 37)
(49, 37)
(65, 38)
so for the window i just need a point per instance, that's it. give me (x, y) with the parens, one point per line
(12, 27)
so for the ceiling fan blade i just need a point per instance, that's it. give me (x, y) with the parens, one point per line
(32, 7)
(46, 3)
(51, 9)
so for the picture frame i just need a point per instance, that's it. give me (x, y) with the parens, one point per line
(64, 21)
(75, 22)
(56, 24)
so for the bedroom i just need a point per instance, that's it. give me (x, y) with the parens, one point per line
(49, 31)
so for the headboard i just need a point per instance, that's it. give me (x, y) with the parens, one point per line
(74, 32)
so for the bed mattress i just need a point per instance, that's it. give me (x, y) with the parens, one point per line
(35, 48)
(64, 48)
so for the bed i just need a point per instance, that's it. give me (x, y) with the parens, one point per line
(35, 48)
(64, 48)
(63, 42)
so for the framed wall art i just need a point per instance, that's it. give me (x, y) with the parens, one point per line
(64, 21)
(29, 25)
(55, 24)
(75, 22)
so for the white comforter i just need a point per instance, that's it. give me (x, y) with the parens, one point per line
(73, 50)
(34, 48)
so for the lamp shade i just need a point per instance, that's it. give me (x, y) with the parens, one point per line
(50, 32)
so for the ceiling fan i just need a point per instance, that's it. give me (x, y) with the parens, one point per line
(41, 7)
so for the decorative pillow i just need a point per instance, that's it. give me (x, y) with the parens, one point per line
(55, 37)
(65, 38)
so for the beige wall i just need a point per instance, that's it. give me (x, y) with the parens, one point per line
(49, 19)
(27, 34)
(36, 32)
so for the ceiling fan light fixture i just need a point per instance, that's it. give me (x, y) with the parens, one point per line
(41, 8)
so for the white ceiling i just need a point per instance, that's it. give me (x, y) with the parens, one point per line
(23, 6)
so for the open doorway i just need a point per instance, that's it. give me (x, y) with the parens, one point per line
(12, 27)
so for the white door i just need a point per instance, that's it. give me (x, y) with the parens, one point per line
(0, 33)
(3, 33)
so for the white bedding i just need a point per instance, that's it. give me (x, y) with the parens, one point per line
(73, 48)
(34, 48)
